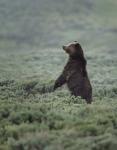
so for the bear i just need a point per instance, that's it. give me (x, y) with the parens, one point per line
(75, 73)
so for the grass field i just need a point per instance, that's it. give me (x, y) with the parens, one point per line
(31, 58)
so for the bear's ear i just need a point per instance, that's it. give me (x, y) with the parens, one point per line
(80, 53)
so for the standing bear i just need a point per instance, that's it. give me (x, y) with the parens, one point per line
(75, 73)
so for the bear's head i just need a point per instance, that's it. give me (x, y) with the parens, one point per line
(75, 51)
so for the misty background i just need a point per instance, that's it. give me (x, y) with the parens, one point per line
(51, 23)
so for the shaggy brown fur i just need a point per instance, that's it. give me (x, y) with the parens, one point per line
(75, 73)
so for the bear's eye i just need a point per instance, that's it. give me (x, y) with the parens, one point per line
(72, 46)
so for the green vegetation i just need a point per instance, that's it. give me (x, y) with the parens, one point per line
(32, 117)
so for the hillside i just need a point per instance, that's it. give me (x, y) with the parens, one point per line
(50, 23)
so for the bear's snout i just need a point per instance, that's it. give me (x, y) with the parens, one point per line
(65, 48)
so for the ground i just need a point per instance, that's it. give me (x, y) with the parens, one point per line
(30, 61)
